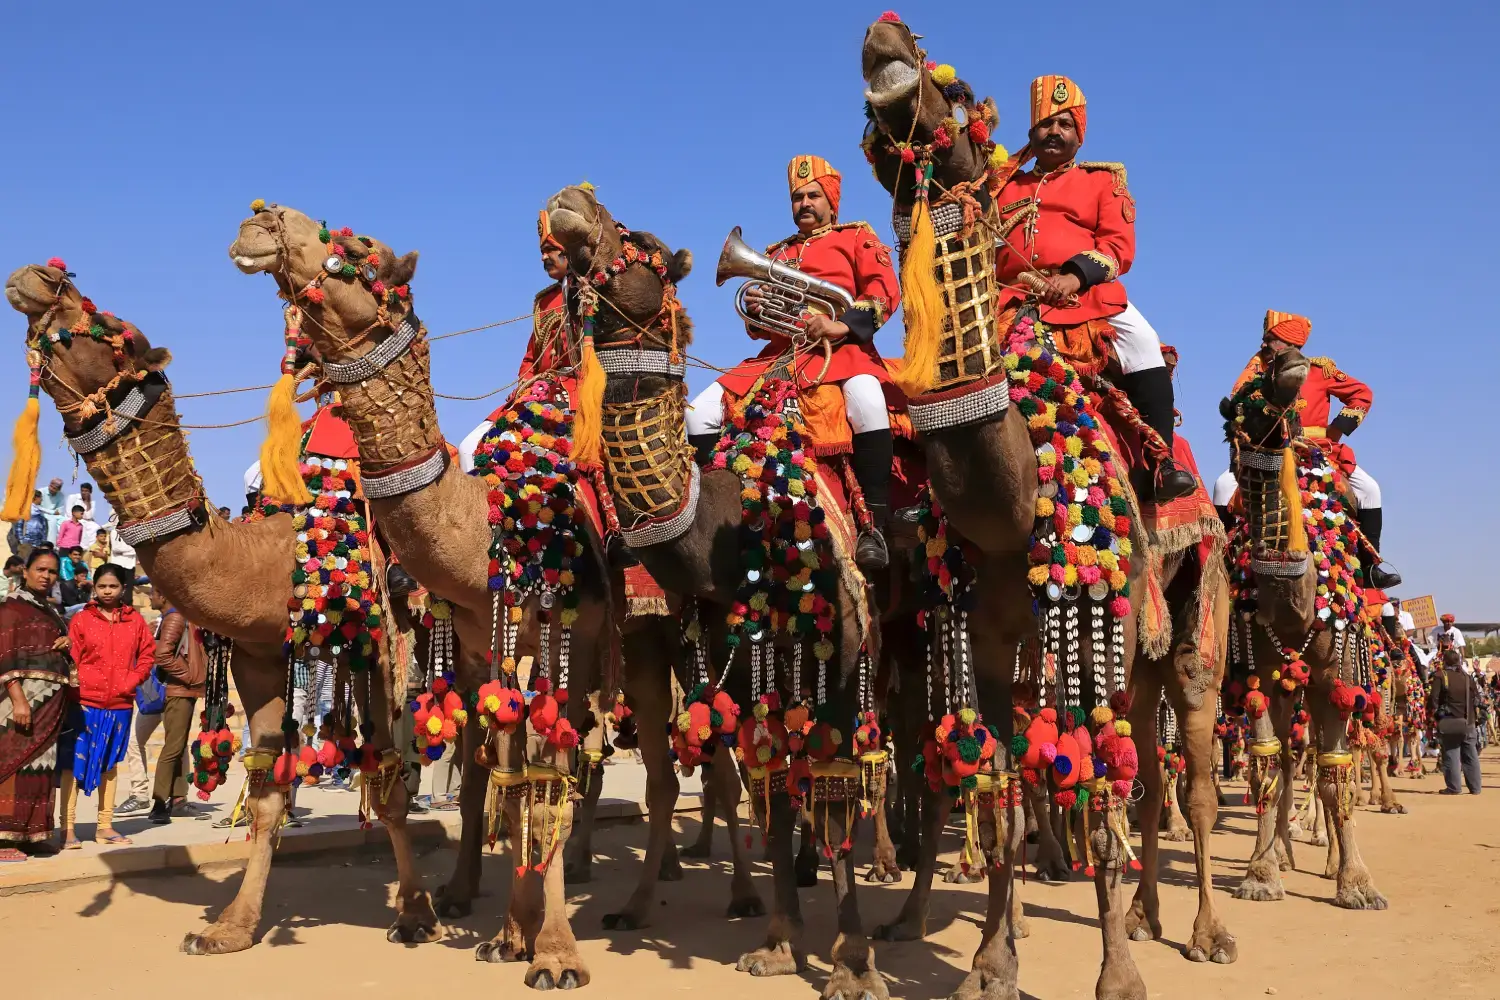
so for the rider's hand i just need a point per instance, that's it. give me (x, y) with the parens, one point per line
(826, 328)
(1061, 288)
(755, 299)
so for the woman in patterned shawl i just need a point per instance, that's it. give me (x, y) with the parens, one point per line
(34, 682)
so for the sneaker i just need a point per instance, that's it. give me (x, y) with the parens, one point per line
(416, 807)
(160, 813)
(133, 805)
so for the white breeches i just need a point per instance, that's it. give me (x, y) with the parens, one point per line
(468, 444)
(864, 405)
(1363, 485)
(1366, 489)
(1136, 342)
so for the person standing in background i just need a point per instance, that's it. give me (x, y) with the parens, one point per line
(1454, 704)
(52, 507)
(114, 651)
(183, 667)
(150, 703)
(74, 577)
(98, 553)
(34, 531)
(15, 574)
(70, 534)
(83, 498)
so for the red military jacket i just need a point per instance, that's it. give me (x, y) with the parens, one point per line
(851, 256)
(1078, 219)
(1325, 383)
(546, 348)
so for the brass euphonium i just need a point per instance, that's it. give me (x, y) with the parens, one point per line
(787, 295)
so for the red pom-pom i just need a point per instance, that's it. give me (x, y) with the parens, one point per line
(889, 17)
(57, 262)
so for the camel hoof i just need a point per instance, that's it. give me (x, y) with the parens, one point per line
(670, 870)
(1053, 872)
(807, 874)
(215, 943)
(541, 981)
(748, 906)
(1260, 892)
(1022, 928)
(1396, 810)
(448, 905)
(568, 980)
(955, 875)
(699, 851)
(496, 952)
(769, 962)
(1365, 897)
(622, 922)
(1177, 836)
(884, 872)
(906, 858)
(843, 984)
(1220, 949)
(901, 930)
(413, 932)
(1319, 840)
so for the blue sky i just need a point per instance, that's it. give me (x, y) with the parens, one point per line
(1328, 159)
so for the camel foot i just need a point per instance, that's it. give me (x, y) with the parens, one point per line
(843, 984)
(417, 922)
(980, 985)
(625, 920)
(1022, 928)
(578, 872)
(778, 961)
(216, 940)
(501, 949)
(1360, 896)
(748, 905)
(1141, 925)
(671, 868)
(907, 857)
(560, 970)
(1177, 834)
(807, 870)
(450, 903)
(1053, 870)
(1259, 890)
(699, 850)
(1120, 983)
(955, 875)
(1395, 809)
(1318, 840)
(904, 929)
(1294, 830)
(1216, 945)
(884, 870)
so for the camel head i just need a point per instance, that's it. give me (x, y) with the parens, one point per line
(347, 284)
(1267, 416)
(639, 296)
(911, 113)
(79, 349)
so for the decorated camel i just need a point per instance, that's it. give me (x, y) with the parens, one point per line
(511, 548)
(692, 528)
(235, 580)
(996, 406)
(1299, 622)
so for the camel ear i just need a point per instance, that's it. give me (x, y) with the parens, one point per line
(157, 359)
(402, 270)
(681, 265)
(1226, 408)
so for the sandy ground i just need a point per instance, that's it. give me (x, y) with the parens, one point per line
(323, 933)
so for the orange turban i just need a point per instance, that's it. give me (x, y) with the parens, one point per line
(803, 170)
(1052, 95)
(544, 232)
(1289, 327)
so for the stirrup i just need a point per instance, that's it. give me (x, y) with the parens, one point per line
(870, 552)
(1384, 577)
(1173, 482)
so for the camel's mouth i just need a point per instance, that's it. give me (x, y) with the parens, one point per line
(891, 80)
(253, 257)
(21, 300)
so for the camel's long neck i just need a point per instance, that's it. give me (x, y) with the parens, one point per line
(970, 340)
(669, 511)
(146, 473)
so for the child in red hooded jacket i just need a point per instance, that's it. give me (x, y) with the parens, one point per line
(114, 650)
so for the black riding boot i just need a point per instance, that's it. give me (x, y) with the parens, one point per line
(1151, 392)
(398, 582)
(872, 460)
(1379, 575)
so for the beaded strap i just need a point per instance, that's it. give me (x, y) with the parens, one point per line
(401, 481)
(157, 528)
(628, 361)
(969, 408)
(360, 369)
(131, 407)
(657, 532)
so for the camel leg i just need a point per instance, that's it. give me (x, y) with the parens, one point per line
(416, 921)
(883, 867)
(649, 694)
(807, 857)
(1118, 977)
(744, 901)
(1286, 859)
(456, 899)
(1356, 889)
(258, 682)
(703, 846)
(1143, 920)
(1263, 878)
(995, 972)
(1051, 865)
(523, 915)
(1177, 829)
(911, 923)
(853, 976)
(1211, 940)
(781, 953)
(1387, 791)
(1362, 794)
(555, 959)
(578, 863)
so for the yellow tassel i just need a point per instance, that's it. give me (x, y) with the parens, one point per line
(587, 408)
(280, 479)
(922, 304)
(1291, 499)
(27, 462)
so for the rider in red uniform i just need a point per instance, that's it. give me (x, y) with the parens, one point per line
(851, 256)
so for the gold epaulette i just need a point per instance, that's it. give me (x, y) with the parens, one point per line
(1330, 369)
(537, 298)
(815, 233)
(1118, 169)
